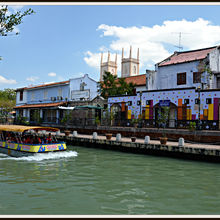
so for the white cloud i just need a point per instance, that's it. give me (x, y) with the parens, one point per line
(52, 74)
(32, 78)
(92, 59)
(156, 42)
(3, 80)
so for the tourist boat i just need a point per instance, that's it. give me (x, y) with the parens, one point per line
(18, 140)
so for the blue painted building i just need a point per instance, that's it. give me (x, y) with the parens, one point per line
(42, 102)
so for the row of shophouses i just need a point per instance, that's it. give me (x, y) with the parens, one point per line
(187, 82)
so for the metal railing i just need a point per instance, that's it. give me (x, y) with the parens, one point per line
(144, 123)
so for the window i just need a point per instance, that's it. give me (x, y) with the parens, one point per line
(82, 86)
(196, 77)
(218, 82)
(186, 101)
(134, 69)
(208, 101)
(181, 78)
(21, 95)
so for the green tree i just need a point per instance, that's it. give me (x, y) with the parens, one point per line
(113, 86)
(108, 86)
(124, 87)
(8, 94)
(9, 21)
(7, 102)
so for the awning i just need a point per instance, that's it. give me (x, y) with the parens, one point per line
(43, 105)
(67, 108)
(21, 128)
(80, 107)
(88, 107)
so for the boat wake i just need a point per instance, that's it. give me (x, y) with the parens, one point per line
(42, 156)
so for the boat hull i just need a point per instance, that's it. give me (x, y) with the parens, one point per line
(19, 150)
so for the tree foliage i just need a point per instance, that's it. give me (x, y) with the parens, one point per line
(9, 21)
(7, 101)
(111, 86)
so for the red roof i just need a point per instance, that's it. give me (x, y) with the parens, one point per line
(187, 56)
(139, 80)
(41, 105)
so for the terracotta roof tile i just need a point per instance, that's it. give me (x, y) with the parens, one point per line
(41, 105)
(139, 80)
(187, 56)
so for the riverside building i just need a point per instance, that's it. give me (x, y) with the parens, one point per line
(186, 82)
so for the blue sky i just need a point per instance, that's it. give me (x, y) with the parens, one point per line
(62, 42)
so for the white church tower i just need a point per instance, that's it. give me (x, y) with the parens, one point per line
(109, 66)
(129, 66)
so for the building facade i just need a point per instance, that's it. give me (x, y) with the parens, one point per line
(40, 104)
(181, 82)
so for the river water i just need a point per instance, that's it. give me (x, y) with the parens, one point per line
(86, 181)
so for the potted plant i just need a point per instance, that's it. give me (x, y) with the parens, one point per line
(192, 126)
(67, 132)
(133, 139)
(97, 121)
(64, 121)
(108, 136)
(162, 120)
(134, 122)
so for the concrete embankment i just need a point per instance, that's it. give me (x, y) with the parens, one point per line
(203, 152)
(201, 136)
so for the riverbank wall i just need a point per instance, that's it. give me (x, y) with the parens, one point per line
(201, 136)
(192, 152)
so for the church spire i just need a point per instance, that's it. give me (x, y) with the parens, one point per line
(130, 51)
(108, 56)
(101, 57)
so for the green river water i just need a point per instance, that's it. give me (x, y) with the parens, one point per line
(86, 181)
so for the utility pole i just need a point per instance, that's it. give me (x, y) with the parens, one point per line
(180, 35)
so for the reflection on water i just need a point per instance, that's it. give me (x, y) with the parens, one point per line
(98, 182)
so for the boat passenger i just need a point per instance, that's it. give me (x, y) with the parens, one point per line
(35, 140)
(49, 139)
(8, 138)
(39, 140)
(43, 141)
(29, 140)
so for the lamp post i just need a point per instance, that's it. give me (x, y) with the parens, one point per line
(199, 90)
(141, 106)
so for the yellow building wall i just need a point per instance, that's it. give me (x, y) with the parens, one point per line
(147, 112)
(129, 114)
(210, 112)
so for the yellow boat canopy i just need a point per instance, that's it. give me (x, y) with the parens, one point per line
(21, 128)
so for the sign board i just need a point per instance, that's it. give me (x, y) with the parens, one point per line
(164, 103)
(77, 94)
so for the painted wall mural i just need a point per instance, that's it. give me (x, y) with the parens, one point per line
(209, 103)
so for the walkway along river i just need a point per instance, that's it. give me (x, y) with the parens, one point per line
(204, 152)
